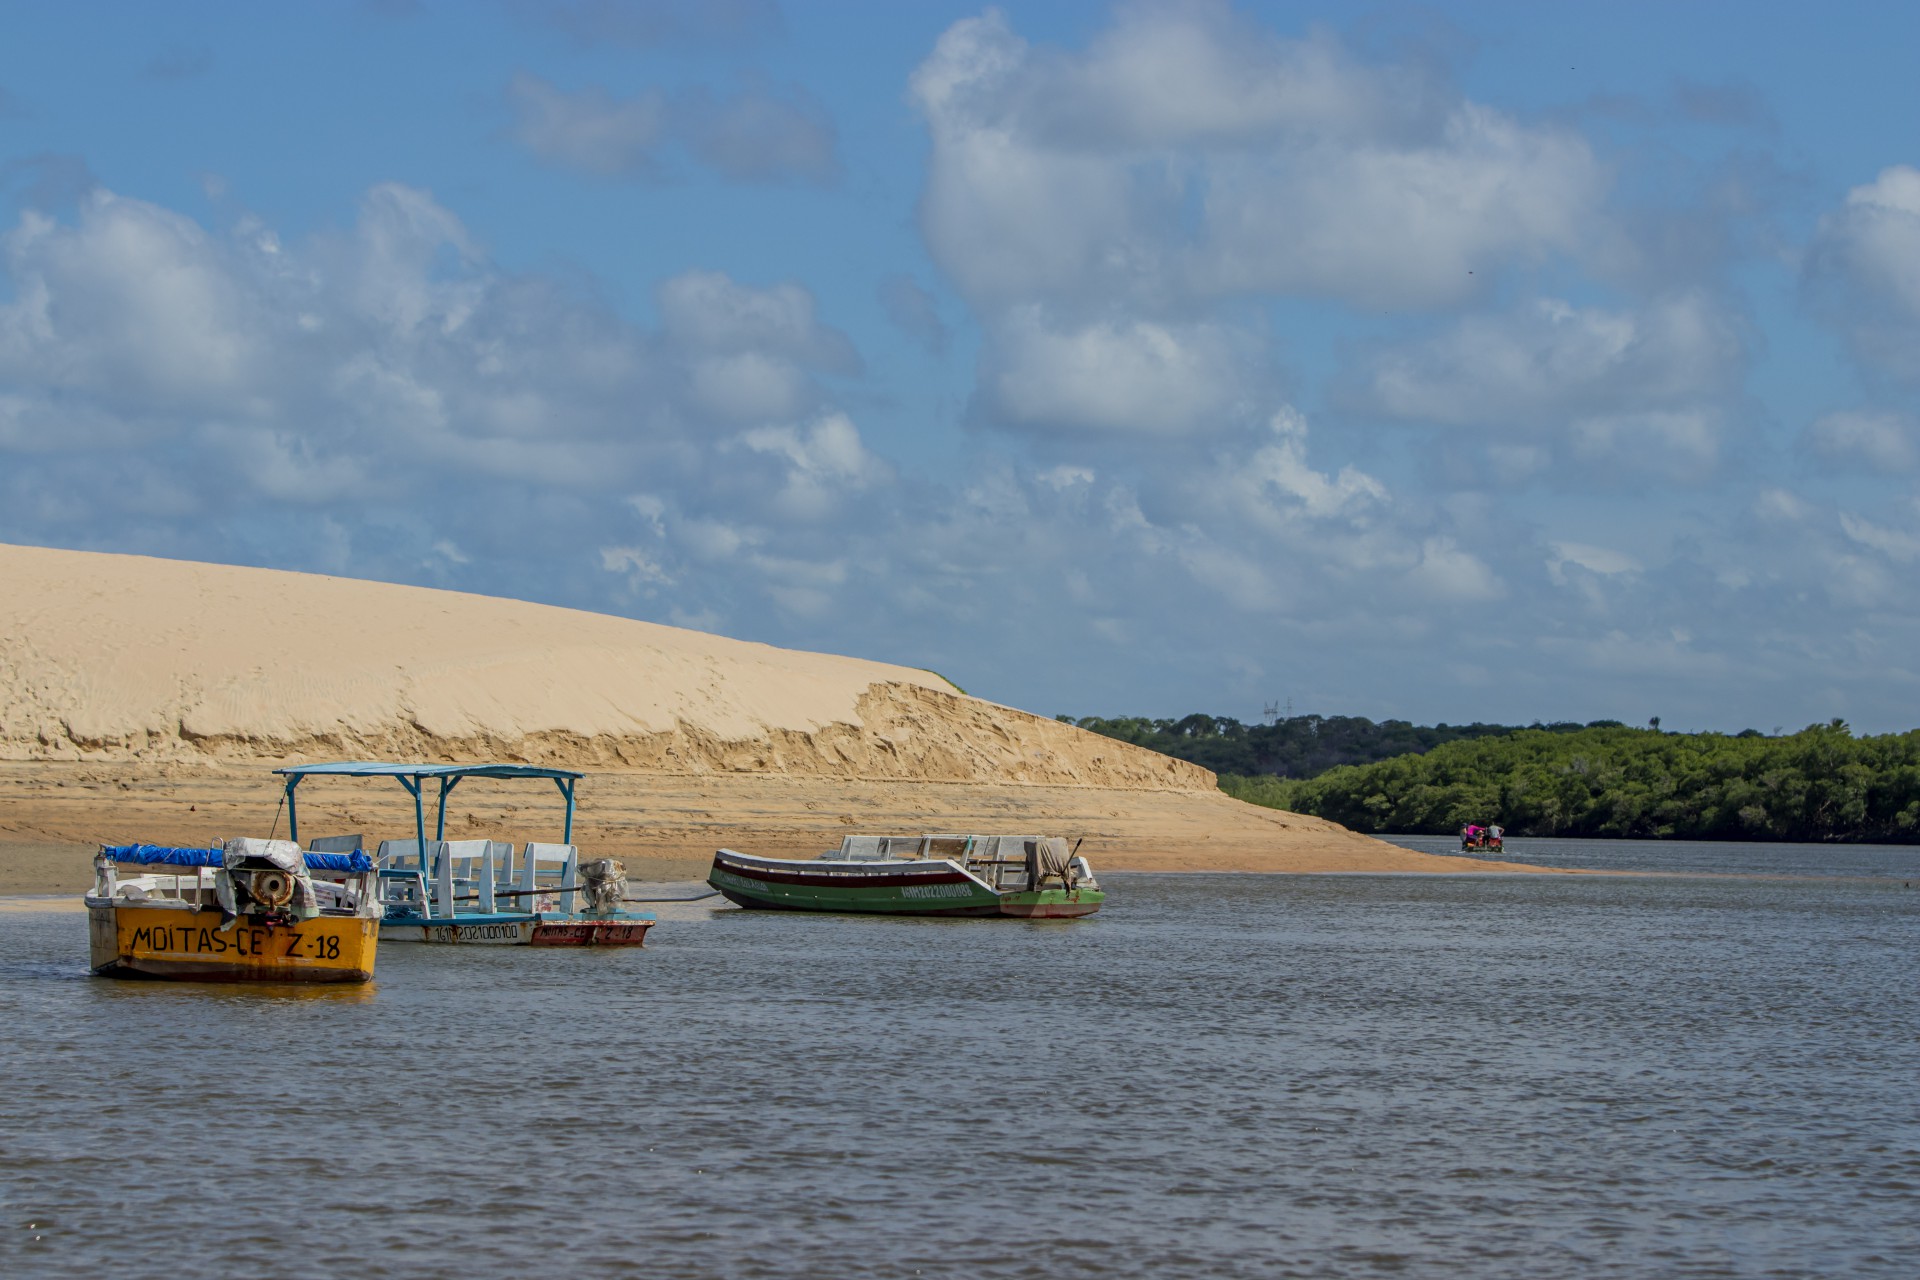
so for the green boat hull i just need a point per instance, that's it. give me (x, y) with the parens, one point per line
(924, 889)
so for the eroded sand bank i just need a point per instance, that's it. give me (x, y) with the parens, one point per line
(667, 827)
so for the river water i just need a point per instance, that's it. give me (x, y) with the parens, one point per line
(1217, 1076)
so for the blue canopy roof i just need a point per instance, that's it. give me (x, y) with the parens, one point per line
(378, 769)
(413, 777)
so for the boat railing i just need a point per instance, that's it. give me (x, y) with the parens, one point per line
(464, 877)
(188, 877)
(153, 888)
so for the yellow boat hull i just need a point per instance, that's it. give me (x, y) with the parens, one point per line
(164, 942)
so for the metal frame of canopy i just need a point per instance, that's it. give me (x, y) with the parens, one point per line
(413, 776)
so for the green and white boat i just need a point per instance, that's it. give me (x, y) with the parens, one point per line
(1031, 876)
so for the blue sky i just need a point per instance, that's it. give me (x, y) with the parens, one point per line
(1497, 361)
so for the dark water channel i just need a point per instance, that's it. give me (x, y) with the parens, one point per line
(1217, 1076)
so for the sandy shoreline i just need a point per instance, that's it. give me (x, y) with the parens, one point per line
(53, 813)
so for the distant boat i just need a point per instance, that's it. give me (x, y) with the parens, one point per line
(247, 911)
(945, 875)
(483, 891)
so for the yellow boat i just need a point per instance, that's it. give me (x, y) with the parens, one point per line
(250, 911)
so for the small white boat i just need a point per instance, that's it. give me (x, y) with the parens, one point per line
(484, 891)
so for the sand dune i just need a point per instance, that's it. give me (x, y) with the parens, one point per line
(145, 699)
(125, 657)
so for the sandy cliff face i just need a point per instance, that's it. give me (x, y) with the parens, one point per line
(123, 657)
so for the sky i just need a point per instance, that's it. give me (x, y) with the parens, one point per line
(1495, 361)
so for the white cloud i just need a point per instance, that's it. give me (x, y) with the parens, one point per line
(1176, 75)
(711, 312)
(1275, 486)
(827, 465)
(635, 564)
(1401, 226)
(1863, 270)
(1446, 572)
(131, 297)
(389, 375)
(1879, 441)
(1778, 506)
(1077, 175)
(1549, 363)
(748, 386)
(1897, 545)
(591, 130)
(1601, 560)
(1670, 444)
(1137, 377)
(757, 134)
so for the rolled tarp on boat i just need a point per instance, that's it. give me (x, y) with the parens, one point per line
(169, 856)
(1051, 856)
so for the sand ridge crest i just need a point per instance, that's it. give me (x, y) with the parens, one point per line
(114, 657)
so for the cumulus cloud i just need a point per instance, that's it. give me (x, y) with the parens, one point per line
(1190, 153)
(712, 312)
(1274, 486)
(1899, 545)
(1863, 271)
(748, 354)
(1137, 377)
(1641, 390)
(134, 299)
(591, 131)
(759, 134)
(1446, 572)
(1550, 362)
(826, 465)
(387, 372)
(1876, 441)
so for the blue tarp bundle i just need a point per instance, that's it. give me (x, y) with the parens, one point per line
(355, 861)
(163, 855)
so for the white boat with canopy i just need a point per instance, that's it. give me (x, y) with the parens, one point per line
(483, 890)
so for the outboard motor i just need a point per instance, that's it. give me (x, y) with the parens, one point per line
(265, 878)
(604, 882)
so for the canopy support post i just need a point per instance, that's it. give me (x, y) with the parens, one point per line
(419, 817)
(293, 814)
(440, 825)
(566, 789)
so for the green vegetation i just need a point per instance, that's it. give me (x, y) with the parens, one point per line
(1819, 784)
(1297, 747)
(936, 675)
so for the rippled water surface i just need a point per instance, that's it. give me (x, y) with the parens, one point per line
(1216, 1076)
